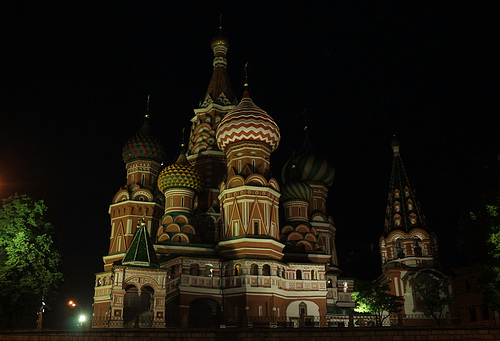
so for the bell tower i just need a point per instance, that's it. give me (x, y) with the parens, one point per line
(407, 246)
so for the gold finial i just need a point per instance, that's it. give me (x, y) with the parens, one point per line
(147, 107)
(245, 71)
(305, 117)
(142, 220)
(182, 138)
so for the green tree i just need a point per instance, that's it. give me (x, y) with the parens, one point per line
(430, 290)
(30, 266)
(377, 300)
(479, 240)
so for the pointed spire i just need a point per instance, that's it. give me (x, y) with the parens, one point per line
(147, 107)
(403, 209)
(141, 251)
(246, 92)
(182, 159)
(219, 90)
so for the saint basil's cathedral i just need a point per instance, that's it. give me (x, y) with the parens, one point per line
(200, 243)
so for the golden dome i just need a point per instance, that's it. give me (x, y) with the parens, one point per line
(219, 40)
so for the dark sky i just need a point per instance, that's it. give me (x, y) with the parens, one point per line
(76, 76)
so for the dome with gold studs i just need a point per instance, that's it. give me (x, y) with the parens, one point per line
(180, 174)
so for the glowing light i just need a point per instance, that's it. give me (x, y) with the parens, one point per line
(82, 318)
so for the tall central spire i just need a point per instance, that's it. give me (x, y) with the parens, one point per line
(219, 89)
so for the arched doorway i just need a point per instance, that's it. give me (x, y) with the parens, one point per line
(138, 307)
(203, 313)
(172, 312)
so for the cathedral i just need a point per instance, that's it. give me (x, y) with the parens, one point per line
(199, 243)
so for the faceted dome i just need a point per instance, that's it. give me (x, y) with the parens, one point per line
(310, 166)
(247, 122)
(180, 174)
(298, 190)
(143, 145)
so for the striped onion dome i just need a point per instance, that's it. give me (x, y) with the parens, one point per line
(180, 174)
(143, 145)
(297, 190)
(247, 122)
(311, 167)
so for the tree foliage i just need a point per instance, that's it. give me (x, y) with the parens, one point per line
(479, 239)
(377, 300)
(431, 292)
(30, 266)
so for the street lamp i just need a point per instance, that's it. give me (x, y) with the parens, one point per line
(82, 318)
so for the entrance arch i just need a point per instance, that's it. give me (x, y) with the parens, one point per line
(138, 306)
(204, 312)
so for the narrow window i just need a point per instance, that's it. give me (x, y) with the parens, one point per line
(143, 179)
(253, 166)
(298, 274)
(302, 309)
(182, 202)
(256, 227)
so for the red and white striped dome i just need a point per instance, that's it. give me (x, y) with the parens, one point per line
(247, 122)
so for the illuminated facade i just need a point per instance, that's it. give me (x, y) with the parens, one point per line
(408, 247)
(201, 244)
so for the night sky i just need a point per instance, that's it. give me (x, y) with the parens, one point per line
(76, 77)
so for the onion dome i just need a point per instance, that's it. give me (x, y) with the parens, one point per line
(180, 174)
(143, 145)
(247, 122)
(298, 190)
(219, 40)
(310, 166)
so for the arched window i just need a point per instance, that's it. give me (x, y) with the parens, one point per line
(397, 220)
(237, 270)
(254, 269)
(407, 192)
(208, 270)
(194, 270)
(410, 204)
(227, 270)
(399, 249)
(302, 309)
(298, 274)
(329, 283)
(266, 270)
(313, 275)
(413, 218)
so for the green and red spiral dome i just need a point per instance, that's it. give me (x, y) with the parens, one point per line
(143, 145)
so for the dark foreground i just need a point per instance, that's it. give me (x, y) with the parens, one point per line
(315, 334)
